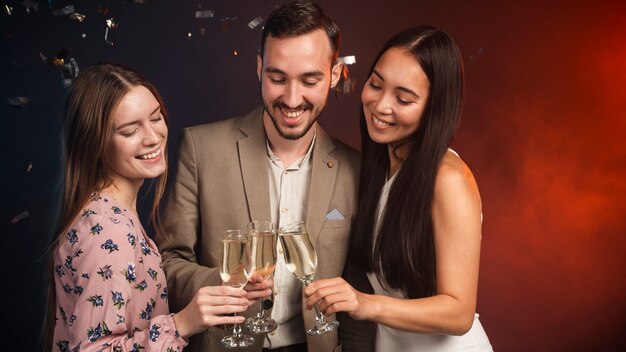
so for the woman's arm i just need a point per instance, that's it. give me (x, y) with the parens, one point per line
(457, 232)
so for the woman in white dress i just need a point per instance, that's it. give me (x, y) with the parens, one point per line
(418, 228)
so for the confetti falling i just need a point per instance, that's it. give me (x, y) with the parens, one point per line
(67, 10)
(8, 9)
(20, 102)
(78, 17)
(255, 22)
(347, 83)
(106, 36)
(19, 217)
(111, 23)
(205, 13)
(348, 60)
(69, 72)
(59, 59)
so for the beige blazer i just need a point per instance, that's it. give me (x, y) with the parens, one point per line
(222, 183)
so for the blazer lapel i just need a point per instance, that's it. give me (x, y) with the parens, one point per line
(253, 163)
(323, 175)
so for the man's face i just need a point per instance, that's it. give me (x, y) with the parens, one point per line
(296, 74)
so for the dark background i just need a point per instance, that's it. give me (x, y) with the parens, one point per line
(543, 129)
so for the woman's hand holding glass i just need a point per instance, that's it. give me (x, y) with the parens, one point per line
(208, 308)
(336, 295)
(301, 261)
(235, 265)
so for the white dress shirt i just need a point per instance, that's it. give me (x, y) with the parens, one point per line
(289, 193)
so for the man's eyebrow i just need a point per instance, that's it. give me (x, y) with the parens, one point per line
(274, 70)
(313, 74)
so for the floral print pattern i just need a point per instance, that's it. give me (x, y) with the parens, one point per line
(110, 286)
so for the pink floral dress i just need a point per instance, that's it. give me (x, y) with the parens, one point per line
(111, 293)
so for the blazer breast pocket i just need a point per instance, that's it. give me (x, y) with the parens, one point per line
(332, 246)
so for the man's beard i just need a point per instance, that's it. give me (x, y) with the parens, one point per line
(293, 136)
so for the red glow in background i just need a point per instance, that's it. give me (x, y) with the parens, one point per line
(544, 130)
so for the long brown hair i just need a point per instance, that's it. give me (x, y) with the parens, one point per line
(403, 256)
(86, 169)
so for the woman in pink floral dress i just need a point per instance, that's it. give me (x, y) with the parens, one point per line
(109, 290)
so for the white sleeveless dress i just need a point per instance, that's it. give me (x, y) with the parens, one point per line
(390, 339)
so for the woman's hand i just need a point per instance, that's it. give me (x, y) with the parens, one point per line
(336, 295)
(207, 308)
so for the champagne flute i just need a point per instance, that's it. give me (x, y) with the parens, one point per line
(301, 261)
(234, 271)
(262, 236)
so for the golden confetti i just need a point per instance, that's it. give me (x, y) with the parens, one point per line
(111, 23)
(78, 17)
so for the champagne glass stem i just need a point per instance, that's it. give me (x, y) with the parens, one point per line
(261, 312)
(319, 317)
(237, 329)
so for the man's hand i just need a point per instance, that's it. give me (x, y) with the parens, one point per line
(257, 287)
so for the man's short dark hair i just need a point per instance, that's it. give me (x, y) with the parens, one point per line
(301, 17)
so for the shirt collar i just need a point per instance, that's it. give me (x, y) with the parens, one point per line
(296, 164)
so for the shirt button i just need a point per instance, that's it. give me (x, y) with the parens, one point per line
(284, 210)
(280, 250)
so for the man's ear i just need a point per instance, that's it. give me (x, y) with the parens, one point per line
(259, 65)
(335, 74)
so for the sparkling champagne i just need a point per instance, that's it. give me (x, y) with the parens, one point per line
(263, 247)
(300, 255)
(234, 266)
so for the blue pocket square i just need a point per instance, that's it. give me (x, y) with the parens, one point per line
(335, 215)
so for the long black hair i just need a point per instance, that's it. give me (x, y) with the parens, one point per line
(403, 256)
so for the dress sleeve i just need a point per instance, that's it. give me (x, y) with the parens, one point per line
(96, 276)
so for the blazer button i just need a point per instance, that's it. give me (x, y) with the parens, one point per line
(329, 164)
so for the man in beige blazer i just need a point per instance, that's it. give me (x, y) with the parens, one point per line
(226, 177)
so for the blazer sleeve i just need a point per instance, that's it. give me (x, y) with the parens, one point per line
(179, 238)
